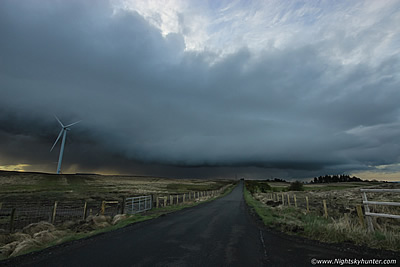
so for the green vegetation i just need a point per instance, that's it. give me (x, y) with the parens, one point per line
(345, 229)
(257, 186)
(296, 186)
(70, 234)
(19, 187)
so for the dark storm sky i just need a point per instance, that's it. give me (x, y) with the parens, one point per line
(197, 89)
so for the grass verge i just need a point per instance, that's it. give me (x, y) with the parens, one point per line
(343, 230)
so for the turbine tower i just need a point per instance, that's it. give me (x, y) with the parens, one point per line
(63, 132)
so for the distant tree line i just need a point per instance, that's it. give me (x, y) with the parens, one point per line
(335, 179)
(276, 180)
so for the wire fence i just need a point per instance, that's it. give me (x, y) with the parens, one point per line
(338, 204)
(14, 216)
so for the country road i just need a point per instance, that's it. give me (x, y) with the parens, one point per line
(218, 233)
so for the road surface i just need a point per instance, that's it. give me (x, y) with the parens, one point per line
(218, 233)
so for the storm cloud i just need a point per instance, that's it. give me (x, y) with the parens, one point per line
(317, 93)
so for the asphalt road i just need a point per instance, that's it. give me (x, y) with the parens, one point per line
(218, 233)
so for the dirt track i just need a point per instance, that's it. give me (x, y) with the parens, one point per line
(219, 233)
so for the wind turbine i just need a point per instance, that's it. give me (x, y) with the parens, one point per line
(63, 132)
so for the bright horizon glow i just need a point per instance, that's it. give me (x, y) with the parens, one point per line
(364, 175)
(380, 176)
(15, 167)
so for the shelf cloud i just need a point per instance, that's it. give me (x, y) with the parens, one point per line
(201, 89)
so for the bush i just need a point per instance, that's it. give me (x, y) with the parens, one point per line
(296, 186)
(257, 186)
(264, 187)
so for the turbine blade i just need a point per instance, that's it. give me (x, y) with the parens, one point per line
(69, 125)
(59, 121)
(57, 139)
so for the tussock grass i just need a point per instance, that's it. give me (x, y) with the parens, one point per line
(344, 229)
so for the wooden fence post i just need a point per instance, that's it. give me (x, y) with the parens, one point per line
(288, 199)
(308, 208)
(165, 201)
(283, 200)
(12, 217)
(53, 217)
(103, 207)
(325, 209)
(295, 200)
(177, 199)
(360, 215)
(366, 209)
(124, 202)
(153, 201)
(184, 197)
(171, 200)
(84, 211)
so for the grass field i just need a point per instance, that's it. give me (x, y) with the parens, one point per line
(279, 186)
(37, 186)
(29, 192)
(342, 223)
(37, 191)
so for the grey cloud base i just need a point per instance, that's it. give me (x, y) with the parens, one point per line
(149, 106)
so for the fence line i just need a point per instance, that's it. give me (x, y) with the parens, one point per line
(284, 199)
(368, 213)
(135, 205)
(17, 217)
